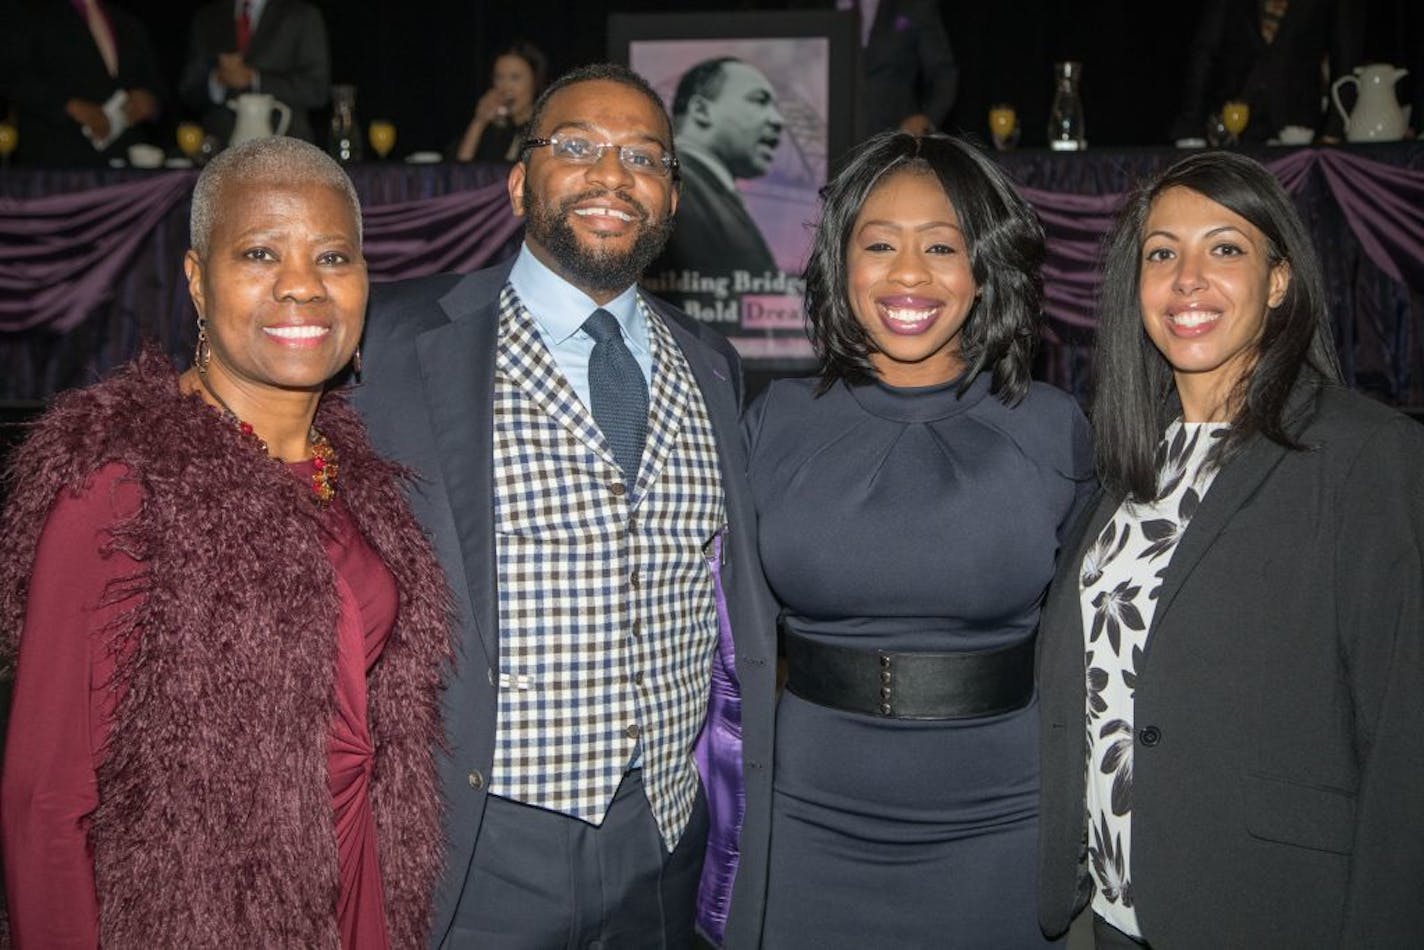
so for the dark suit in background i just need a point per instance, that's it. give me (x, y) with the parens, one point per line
(1230, 59)
(288, 49)
(51, 58)
(1277, 761)
(908, 66)
(713, 232)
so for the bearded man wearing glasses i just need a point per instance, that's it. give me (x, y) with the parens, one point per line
(609, 726)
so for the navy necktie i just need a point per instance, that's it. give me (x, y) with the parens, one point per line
(618, 392)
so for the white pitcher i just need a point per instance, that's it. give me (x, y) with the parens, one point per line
(254, 117)
(1377, 116)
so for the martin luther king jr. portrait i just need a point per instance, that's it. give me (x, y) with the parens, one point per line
(726, 126)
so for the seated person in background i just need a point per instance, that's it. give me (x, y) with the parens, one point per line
(496, 131)
(726, 126)
(276, 47)
(83, 81)
(1268, 54)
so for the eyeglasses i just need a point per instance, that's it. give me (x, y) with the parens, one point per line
(645, 159)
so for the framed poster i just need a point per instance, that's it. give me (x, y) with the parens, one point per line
(762, 104)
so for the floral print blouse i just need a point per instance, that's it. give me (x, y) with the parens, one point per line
(1120, 577)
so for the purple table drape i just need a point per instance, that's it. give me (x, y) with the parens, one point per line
(90, 262)
(460, 231)
(1384, 206)
(60, 256)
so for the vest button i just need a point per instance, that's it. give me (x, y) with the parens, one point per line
(633, 580)
(1150, 735)
(617, 489)
(636, 630)
(633, 731)
(476, 780)
(638, 678)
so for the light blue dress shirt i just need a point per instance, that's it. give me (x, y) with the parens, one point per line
(559, 310)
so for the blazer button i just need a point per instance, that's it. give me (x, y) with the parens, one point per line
(1150, 735)
(476, 780)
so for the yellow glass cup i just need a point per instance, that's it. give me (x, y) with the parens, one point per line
(1235, 116)
(190, 138)
(1003, 125)
(382, 135)
(9, 139)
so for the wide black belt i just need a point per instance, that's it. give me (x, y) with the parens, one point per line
(899, 685)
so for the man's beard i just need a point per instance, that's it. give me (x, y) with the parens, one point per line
(594, 268)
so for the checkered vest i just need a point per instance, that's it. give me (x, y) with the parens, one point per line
(607, 613)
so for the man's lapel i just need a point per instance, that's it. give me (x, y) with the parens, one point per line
(1231, 488)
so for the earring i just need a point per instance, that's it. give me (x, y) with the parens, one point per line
(356, 363)
(202, 353)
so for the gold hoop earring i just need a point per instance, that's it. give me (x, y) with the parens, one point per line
(202, 353)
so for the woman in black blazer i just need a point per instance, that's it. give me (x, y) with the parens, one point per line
(1233, 649)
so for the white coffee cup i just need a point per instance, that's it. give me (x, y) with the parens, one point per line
(145, 156)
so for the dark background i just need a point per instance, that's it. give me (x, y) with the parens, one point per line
(423, 64)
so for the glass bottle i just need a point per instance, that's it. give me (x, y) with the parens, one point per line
(345, 143)
(1066, 132)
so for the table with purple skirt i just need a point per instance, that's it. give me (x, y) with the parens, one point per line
(91, 261)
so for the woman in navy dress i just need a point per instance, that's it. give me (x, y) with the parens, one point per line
(912, 500)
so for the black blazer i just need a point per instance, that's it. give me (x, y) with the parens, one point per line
(288, 49)
(1278, 760)
(55, 60)
(427, 395)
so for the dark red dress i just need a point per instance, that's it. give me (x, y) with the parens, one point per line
(63, 704)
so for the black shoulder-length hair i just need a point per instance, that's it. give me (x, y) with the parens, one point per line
(1005, 242)
(1135, 395)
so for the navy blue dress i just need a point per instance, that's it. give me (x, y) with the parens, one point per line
(909, 519)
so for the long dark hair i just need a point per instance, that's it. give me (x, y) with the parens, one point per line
(1135, 395)
(1005, 242)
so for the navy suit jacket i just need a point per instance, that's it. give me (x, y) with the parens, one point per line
(427, 394)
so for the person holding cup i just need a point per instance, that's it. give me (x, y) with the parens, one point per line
(501, 118)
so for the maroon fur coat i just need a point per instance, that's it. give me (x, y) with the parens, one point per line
(215, 823)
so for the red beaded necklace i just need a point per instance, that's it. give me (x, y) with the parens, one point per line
(323, 480)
